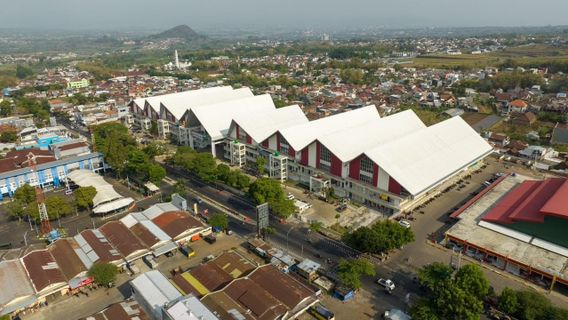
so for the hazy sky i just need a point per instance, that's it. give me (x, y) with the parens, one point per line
(209, 14)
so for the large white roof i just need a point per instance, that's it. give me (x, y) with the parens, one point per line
(260, 126)
(420, 160)
(349, 143)
(106, 199)
(155, 289)
(299, 136)
(155, 101)
(216, 118)
(179, 104)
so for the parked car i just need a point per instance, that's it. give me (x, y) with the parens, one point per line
(341, 208)
(210, 238)
(187, 251)
(198, 200)
(386, 283)
(404, 223)
(290, 196)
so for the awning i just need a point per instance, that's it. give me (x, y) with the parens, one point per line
(152, 187)
(19, 305)
(169, 246)
(79, 282)
(112, 206)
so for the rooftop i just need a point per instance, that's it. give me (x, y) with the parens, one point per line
(505, 241)
(13, 276)
(63, 251)
(43, 270)
(121, 238)
(175, 223)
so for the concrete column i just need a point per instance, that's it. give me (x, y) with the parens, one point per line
(213, 149)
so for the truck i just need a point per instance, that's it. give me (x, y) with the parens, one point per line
(187, 251)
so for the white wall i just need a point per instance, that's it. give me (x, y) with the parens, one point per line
(312, 155)
(383, 179)
(272, 142)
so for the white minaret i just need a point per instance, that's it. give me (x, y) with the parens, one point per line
(177, 60)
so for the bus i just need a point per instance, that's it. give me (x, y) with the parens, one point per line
(320, 312)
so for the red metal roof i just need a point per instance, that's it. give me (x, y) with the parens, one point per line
(531, 201)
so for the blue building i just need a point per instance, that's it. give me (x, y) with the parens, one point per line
(50, 171)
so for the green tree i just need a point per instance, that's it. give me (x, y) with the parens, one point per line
(154, 128)
(8, 137)
(156, 174)
(219, 220)
(56, 205)
(6, 108)
(205, 167)
(16, 209)
(472, 280)
(180, 187)
(268, 190)
(113, 141)
(451, 296)
(316, 226)
(23, 72)
(508, 301)
(260, 163)
(103, 273)
(223, 172)
(84, 197)
(26, 194)
(267, 232)
(350, 272)
(243, 181)
(380, 237)
(153, 149)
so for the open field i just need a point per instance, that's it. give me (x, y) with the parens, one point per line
(523, 55)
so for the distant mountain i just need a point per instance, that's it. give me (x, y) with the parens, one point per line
(181, 32)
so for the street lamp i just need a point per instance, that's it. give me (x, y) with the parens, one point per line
(288, 233)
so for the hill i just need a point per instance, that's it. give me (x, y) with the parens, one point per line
(181, 32)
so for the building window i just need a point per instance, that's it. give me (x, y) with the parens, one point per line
(366, 179)
(325, 154)
(367, 165)
(284, 147)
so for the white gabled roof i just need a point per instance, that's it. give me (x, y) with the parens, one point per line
(298, 137)
(421, 160)
(216, 118)
(155, 101)
(349, 143)
(261, 126)
(177, 105)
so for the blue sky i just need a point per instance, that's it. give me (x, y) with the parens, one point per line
(209, 14)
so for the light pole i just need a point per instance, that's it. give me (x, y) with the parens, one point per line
(288, 233)
(25, 239)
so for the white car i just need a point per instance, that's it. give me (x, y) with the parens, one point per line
(404, 223)
(290, 196)
(386, 283)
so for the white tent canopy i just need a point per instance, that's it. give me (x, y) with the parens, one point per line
(106, 199)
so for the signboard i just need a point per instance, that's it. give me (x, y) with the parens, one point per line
(262, 218)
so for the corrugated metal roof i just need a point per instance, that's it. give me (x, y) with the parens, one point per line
(13, 276)
(155, 289)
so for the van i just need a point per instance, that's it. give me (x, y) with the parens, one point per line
(150, 261)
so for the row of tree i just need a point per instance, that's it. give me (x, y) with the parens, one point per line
(24, 203)
(123, 155)
(460, 294)
(380, 237)
(262, 190)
